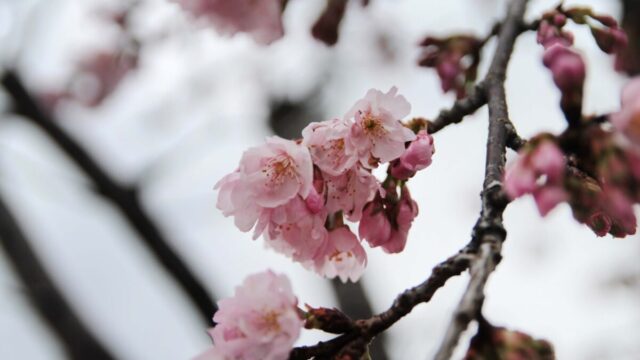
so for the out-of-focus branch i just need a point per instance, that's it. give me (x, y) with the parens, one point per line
(630, 58)
(125, 198)
(48, 301)
(489, 233)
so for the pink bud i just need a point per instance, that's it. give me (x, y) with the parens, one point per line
(548, 159)
(314, 201)
(547, 197)
(567, 67)
(416, 157)
(599, 223)
(407, 210)
(374, 226)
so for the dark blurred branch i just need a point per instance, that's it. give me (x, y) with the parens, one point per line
(48, 301)
(630, 61)
(125, 198)
(489, 232)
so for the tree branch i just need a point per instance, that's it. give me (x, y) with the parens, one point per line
(48, 301)
(125, 198)
(489, 233)
(367, 329)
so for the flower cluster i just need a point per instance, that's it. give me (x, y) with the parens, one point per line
(455, 59)
(603, 180)
(298, 193)
(260, 322)
(261, 19)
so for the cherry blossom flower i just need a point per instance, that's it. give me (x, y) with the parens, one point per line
(627, 120)
(375, 226)
(350, 191)
(545, 160)
(260, 322)
(268, 176)
(294, 230)
(377, 134)
(342, 256)
(330, 150)
(262, 19)
(416, 157)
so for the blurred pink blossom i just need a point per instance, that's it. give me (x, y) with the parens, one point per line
(260, 322)
(262, 19)
(627, 120)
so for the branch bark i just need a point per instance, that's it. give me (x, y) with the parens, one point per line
(125, 198)
(489, 232)
(48, 301)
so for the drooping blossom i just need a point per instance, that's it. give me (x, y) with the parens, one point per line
(547, 160)
(566, 65)
(350, 191)
(260, 322)
(343, 256)
(294, 230)
(627, 120)
(262, 19)
(386, 221)
(269, 175)
(378, 135)
(416, 157)
(329, 147)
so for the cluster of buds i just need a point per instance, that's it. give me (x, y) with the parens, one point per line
(567, 66)
(603, 181)
(605, 29)
(455, 59)
(299, 193)
(500, 343)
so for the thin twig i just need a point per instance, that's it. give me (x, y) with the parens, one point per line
(489, 233)
(367, 329)
(48, 301)
(125, 198)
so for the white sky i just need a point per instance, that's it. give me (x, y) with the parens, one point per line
(181, 122)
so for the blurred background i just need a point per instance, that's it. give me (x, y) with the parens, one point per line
(118, 117)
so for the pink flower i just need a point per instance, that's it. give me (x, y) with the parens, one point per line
(407, 210)
(328, 145)
(262, 19)
(567, 67)
(627, 120)
(342, 256)
(416, 157)
(378, 230)
(268, 176)
(521, 178)
(260, 321)
(350, 191)
(378, 135)
(294, 230)
(547, 197)
(374, 225)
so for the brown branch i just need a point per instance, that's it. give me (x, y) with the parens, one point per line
(48, 301)
(461, 108)
(126, 199)
(367, 329)
(489, 233)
